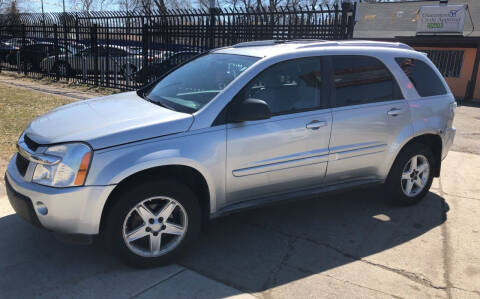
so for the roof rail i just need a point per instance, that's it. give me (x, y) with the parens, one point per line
(365, 43)
(258, 43)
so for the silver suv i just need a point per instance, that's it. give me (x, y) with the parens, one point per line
(236, 127)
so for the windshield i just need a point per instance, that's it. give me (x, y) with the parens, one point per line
(193, 85)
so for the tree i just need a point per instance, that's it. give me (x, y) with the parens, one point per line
(89, 5)
(12, 13)
(128, 5)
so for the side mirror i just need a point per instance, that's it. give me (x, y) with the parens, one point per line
(250, 109)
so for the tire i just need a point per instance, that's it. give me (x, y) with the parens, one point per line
(26, 66)
(402, 178)
(63, 68)
(125, 221)
(131, 75)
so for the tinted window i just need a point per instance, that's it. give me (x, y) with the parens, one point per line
(422, 77)
(115, 52)
(362, 80)
(288, 87)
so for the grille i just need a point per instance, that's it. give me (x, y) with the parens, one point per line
(32, 145)
(22, 164)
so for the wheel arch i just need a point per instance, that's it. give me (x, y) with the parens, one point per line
(433, 141)
(193, 178)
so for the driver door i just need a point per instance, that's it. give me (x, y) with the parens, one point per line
(289, 151)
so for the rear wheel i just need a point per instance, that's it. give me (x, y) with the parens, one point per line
(153, 223)
(411, 175)
(26, 66)
(63, 69)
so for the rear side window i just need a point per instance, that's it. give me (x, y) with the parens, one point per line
(362, 80)
(422, 77)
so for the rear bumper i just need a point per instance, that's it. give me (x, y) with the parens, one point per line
(74, 210)
(448, 141)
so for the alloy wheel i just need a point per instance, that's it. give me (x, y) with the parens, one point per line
(415, 175)
(155, 226)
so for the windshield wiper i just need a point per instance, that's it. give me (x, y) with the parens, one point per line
(158, 103)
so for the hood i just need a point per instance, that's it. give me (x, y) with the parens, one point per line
(107, 121)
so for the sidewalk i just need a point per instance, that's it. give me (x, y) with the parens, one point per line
(77, 271)
(50, 89)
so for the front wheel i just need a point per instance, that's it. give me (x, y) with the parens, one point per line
(128, 71)
(411, 175)
(153, 223)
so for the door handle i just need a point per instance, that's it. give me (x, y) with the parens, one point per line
(316, 124)
(395, 111)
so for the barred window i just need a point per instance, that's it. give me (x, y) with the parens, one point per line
(448, 62)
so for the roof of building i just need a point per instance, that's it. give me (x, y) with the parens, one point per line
(275, 47)
(388, 19)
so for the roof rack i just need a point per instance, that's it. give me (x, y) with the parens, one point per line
(276, 42)
(365, 43)
(258, 43)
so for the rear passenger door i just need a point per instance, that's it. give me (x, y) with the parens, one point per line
(368, 111)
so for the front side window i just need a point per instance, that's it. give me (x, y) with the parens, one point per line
(193, 85)
(288, 87)
(362, 80)
(425, 80)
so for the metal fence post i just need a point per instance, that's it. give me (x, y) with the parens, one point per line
(211, 36)
(346, 8)
(94, 41)
(18, 62)
(107, 58)
(55, 46)
(24, 42)
(145, 45)
(65, 37)
(351, 20)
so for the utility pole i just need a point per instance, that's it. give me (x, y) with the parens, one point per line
(63, 7)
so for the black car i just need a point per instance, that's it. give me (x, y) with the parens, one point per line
(157, 69)
(5, 50)
(32, 55)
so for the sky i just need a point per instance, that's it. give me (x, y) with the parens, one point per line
(52, 6)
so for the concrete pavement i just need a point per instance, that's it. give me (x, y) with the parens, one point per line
(350, 245)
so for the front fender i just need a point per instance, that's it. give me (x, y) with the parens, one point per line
(112, 166)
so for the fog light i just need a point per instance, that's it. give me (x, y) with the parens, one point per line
(42, 208)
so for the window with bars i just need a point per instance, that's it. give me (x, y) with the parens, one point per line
(448, 62)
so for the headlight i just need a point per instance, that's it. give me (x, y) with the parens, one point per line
(70, 171)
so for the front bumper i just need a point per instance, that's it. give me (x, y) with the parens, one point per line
(73, 210)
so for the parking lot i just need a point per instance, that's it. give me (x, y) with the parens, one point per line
(350, 245)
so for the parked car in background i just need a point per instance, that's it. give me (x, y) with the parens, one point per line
(238, 127)
(158, 68)
(18, 41)
(12, 46)
(31, 56)
(5, 50)
(110, 58)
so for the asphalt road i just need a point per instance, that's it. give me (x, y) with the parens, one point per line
(351, 245)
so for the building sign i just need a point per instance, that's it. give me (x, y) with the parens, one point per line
(441, 19)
